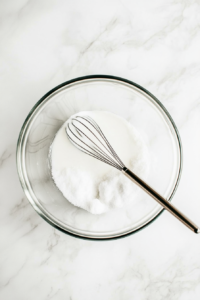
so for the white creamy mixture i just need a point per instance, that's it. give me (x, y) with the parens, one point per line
(91, 184)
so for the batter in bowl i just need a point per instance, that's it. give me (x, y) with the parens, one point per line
(91, 184)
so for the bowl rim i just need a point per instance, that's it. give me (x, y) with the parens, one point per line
(23, 131)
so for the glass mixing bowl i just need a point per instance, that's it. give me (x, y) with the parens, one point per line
(119, 96)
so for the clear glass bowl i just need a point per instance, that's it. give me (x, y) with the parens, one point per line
(119, 96)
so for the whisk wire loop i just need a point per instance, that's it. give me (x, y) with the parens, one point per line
(96, 126)
(79, 130)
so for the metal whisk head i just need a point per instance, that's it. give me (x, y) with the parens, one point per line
(87, 136)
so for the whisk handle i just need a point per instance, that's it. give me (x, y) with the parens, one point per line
(162, 201)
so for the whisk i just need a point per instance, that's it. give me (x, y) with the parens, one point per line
(87, 136)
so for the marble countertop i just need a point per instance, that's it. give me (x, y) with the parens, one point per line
(153, 43)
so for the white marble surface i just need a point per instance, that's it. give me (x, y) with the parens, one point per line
(157, 45)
